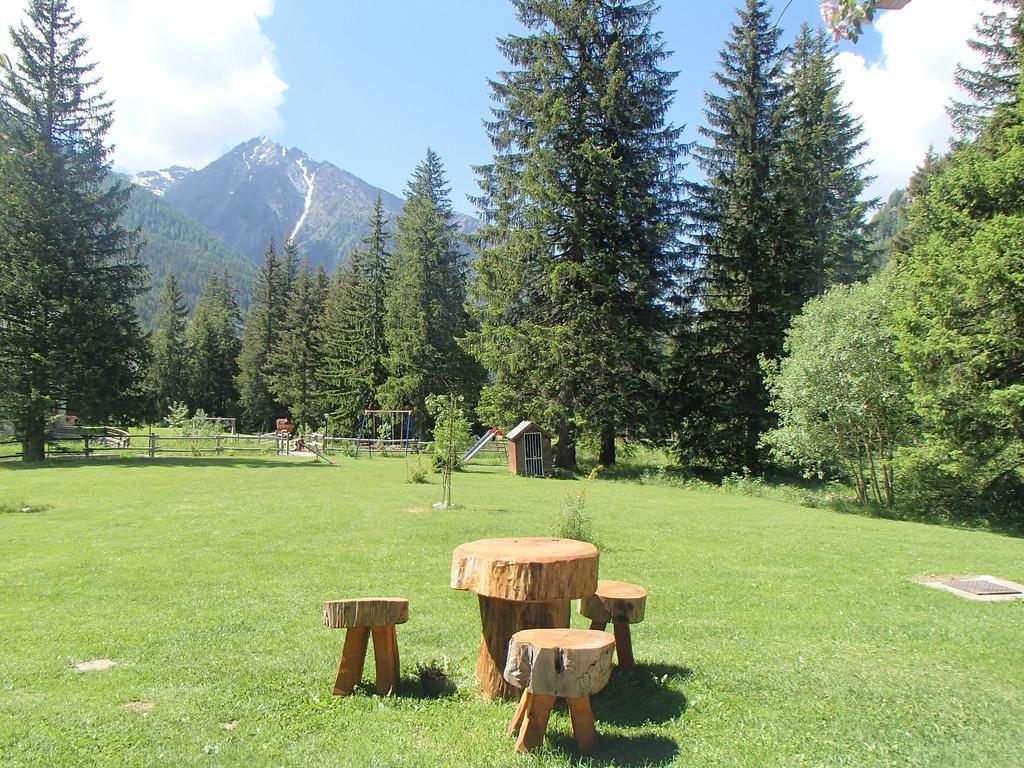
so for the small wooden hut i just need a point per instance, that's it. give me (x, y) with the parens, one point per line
(529, 450)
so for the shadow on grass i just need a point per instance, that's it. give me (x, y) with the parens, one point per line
(649, 694)
(268, 462)
(615, 749)
(412, 687)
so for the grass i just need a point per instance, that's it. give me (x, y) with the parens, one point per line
(776, 635)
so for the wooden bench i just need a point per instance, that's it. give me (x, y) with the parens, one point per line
(621, 604)
(552, 663)
(361, 618)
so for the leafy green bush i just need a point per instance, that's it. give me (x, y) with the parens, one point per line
(573, 521)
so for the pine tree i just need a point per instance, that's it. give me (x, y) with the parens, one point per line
(354, 345)
(69, 273)
(825, 178)
(213, 348)
(296, 361)
(743, 246)
(262, 329)
(1000, 37)
(168, 380)
(582, 205)
(425, 306)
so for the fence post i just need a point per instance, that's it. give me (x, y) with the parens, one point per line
(85, 440)
(152, 445)
(216, 449)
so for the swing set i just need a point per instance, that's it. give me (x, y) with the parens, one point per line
(385, 430)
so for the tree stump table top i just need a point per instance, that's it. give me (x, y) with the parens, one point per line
(365, 612)
(526, 569)
(567, 663)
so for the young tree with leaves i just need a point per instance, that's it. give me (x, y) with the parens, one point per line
(167, 381)
(582, 209)
(743, 250)
(69, 273)
(354, 345)
(425, 305)
(262, 330)
(213, 347)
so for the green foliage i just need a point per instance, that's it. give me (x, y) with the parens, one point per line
(263, 330)
(355, 348)
(295, 362)
(959, 277)
(573, 522)
(841, 392)
(213, 348)
(743, 252)
(167, 379)
(452, 431)
(995, 84)
(69, 272)
(581, 202)
(425, 304)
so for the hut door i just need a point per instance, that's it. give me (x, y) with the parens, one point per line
(533, 454)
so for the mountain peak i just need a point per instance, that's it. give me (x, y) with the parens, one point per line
(158, 182)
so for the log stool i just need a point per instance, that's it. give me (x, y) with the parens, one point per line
(361, 618)
(621, 604)
(552, 663)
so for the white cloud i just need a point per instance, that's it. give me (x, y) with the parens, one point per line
(189, 78)
(903, 96)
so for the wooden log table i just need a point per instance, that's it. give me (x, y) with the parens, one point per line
(521, 583)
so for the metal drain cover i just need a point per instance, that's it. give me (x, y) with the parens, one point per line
(981, 587)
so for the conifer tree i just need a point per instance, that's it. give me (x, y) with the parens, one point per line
(582, 206)
(213, 347)
(425, 306)
(825, 178)
(743, 250)
(1000, 37)
(168, 379)
(354, 344)
(262, 329)
(69, 273)
(296, 361)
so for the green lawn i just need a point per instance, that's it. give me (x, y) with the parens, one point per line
(775, 635)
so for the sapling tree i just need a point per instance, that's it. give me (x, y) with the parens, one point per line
(451, 436)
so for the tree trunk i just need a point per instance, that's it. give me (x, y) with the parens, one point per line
(607, 457)
(565, 455)
(34, 446)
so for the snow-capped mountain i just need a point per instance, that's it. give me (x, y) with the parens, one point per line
(158, 182)
(260, 190)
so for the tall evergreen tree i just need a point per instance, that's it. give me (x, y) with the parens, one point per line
(825, 177)
(213, 347)
(168, 380)
(262, 330)
(354, 346)
(425, 306)
(69, 273)
(743, 249)
(1000, 38)
(296, 361)
(582, 205)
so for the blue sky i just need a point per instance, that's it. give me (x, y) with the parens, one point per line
(371, 86)
(368, 86)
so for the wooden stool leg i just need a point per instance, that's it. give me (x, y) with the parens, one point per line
(384, 653)
(583, 729)
(517, 718)
(624, 647)
(394, 647)
(598, 625)
(353, 655)
(535, 722)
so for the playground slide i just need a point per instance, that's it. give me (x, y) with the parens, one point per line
(315, 449)
(486, 438)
